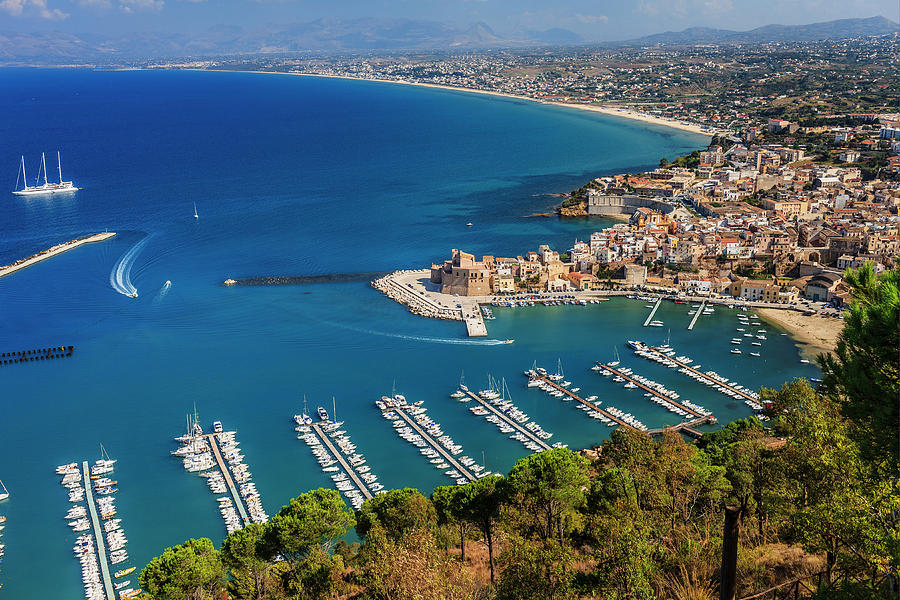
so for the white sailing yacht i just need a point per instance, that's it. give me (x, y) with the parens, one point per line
(46, 187)
(5, 493)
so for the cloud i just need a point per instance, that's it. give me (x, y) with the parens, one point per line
(39, 8)
(131, 6)
(683, 8)
(591, 19)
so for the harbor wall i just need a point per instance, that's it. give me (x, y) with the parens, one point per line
(626, 204)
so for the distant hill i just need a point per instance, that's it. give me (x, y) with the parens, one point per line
(840, 29)
(353, 35)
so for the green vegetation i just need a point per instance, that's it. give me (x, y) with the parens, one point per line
(815, 487)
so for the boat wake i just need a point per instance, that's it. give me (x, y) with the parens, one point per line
(120, 276)
(425, 338)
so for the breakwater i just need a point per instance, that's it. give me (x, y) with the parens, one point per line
(305, 279)
(53, 251)
(11, 358)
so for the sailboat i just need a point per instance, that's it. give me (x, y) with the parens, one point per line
(5, 493)
(615, 363)
(196, 216)
(46, 187)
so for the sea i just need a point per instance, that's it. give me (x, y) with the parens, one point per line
(292, 176)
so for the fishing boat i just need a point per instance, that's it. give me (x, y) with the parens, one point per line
(46, 187)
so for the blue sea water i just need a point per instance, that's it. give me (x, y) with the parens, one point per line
(291, 176)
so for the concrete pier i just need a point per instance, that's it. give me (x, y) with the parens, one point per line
(511, 422)
(584, 402)
(697, 315)
(709, 379)
(653, 312)
(687, 428)
(435, 444)
(51, 252)
(98, 533)
(339, 456)
(238, 501)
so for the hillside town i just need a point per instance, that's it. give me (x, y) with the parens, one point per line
(759, 222)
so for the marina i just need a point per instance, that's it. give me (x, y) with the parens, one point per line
(494, 404)
(216, 457)
(412, 424)
(53, 251)
(326, 437)
(538, 377)
(665, 355)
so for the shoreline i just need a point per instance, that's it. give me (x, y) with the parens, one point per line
(812, 334)
(623, 113)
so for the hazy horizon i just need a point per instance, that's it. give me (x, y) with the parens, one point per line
(591, 20)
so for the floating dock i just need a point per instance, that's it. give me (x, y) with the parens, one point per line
(339, 456)
(507, 420)
(709, 380)
(584, 402)
(675, 403)
(653, 312)
(434, 444)
(53, 251)
(238, 501)
(98, 533)
(697, 315)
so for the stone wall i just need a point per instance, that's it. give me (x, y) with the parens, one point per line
(607, 204)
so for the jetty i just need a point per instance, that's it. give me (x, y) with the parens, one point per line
(345, 464)
(507, 420)
(653, 312)
(711, 381)
(697, 315)
(646, 388)
(238, 501)
(686, 428)
(98, 532)
(53, 251)
(434, 443)
(583, 402)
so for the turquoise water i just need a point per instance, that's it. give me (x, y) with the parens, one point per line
(291, 176)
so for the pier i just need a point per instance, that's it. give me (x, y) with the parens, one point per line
(646, 388)
(505, 418)
(434, 444)
(98, 533)
(584, 402)
(697, 315)
(53, 251)
(239, 502)
(339, 456)
(686, 428)
(11, 358)
(653, 312)
(709, 380)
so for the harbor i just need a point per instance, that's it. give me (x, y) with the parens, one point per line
(101, 543)
(216, 457)
(611, 416)
(496, 408)
(329, 445)
(53, 251)
(411, 423)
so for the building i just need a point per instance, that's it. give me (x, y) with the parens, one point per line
(821, 287)
(462, 275)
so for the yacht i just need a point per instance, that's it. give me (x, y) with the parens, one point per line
(46, 187)
(323, 414)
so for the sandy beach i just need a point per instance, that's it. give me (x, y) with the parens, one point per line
(611, 111)
(814, 334)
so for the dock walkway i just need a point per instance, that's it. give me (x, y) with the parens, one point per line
(434, 444)
(584, 402)
(686, 428)
(653, 312)
(646, 388)
(53, 251)
(506, 419)
(709, 379)
(98, 533)
(239, 502)
(339, 456)
(697, 315)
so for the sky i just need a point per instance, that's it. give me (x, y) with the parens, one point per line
(593, 20)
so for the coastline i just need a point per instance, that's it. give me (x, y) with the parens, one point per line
(813, 334)
(609, 111)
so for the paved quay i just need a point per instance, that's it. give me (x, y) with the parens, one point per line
(53, 251)
(98, 532)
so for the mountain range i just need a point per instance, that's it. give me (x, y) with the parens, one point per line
(354, 35)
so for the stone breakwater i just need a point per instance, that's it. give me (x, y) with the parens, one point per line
(417, 301)
(53, 251)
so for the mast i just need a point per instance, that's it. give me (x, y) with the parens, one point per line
(24, 176)
(44, 164)
(333, 410)
(59, 166)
